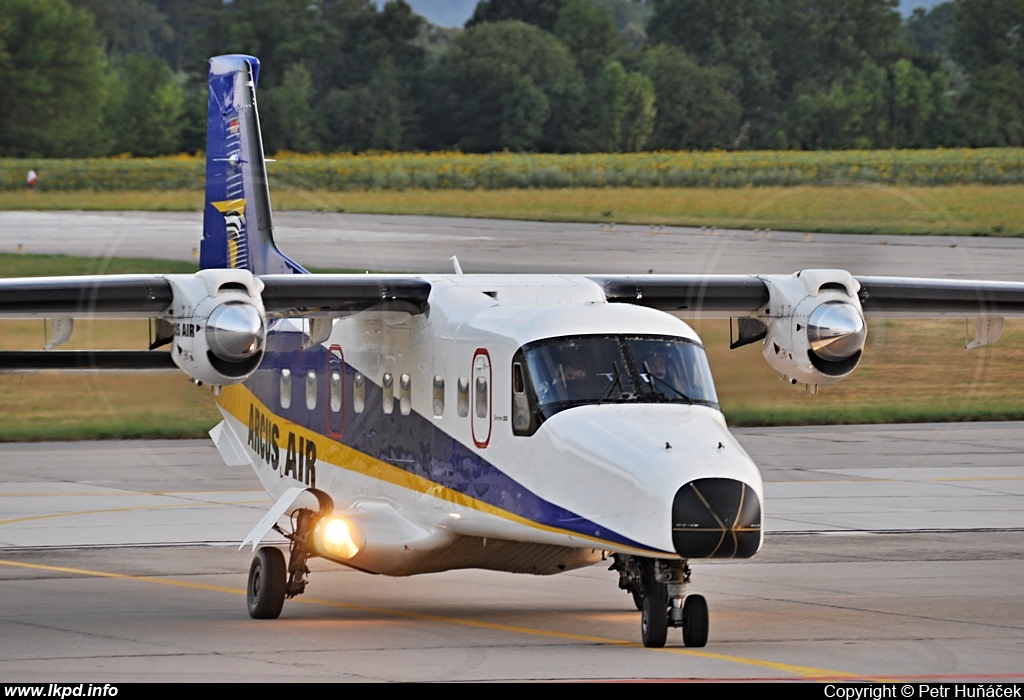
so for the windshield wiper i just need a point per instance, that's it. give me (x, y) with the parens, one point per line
(651, 379)
(615, 380)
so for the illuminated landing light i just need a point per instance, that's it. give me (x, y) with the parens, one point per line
(336, 539)
(454, 516)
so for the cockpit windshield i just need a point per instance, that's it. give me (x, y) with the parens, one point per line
(566, 372)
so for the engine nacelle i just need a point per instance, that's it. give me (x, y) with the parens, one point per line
(815, 326)
(220, 328)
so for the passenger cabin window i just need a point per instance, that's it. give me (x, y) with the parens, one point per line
(311, 390)
(388, 386)
(336, 391)
(463, 400)
(405, 394)
(358, 392)
(286, 388)
(561, 373)
(438, 402)
(481, 397)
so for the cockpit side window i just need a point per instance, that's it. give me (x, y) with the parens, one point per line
(521, 418)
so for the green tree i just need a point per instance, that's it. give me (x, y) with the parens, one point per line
(989, 42)
(144, 114)
(377, 115)
(619, 114)
(992, 107)
(52, 67)
(287, 113)
(933, 29)
(631, 19)
(478, 86)
(281, 33)
(817, 42)
(695, 106)
(130, 27)
(540, 13)
(723, 34)
(589, 33)
(524, 110)
(989, 33)
(638, 113)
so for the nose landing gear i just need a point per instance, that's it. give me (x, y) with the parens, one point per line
(657, 588)
(271, 581)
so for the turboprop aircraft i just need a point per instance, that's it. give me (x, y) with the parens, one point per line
(532, 424)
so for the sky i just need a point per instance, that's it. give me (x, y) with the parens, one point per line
(454, 13)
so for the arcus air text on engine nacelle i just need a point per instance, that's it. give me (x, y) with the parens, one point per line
(220, 327)
(815, 325)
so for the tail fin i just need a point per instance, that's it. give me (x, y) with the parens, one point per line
(238, 230)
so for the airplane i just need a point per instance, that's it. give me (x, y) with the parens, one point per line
(534, 424)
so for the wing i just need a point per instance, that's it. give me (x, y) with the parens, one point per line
(727, 296)
(215, 321)
(812, 323)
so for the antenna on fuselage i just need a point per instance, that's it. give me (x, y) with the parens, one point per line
(455, 261)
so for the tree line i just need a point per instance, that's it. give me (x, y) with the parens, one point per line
(102, 77)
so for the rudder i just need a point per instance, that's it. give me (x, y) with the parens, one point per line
(238, 230)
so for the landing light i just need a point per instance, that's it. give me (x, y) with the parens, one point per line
(336, 538)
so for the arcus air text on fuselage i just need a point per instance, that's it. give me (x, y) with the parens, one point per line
(614, 467)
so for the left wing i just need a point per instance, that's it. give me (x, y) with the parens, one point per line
(812, 322)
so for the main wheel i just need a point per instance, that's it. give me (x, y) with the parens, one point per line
(654, 609)
(654, 617)
(695, 621)
(268, 578)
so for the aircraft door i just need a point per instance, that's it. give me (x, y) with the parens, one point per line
(334, 406)
(480, 399)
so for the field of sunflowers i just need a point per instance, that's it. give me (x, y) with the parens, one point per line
(459, 171)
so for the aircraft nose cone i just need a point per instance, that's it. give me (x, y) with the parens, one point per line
(235, 331)
(836, 330)
(717, 519)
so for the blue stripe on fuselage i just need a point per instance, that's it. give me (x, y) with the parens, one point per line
(412, 443)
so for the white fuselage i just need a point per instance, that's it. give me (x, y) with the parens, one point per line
(438, 466)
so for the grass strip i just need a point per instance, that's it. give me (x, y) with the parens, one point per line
(972, 210)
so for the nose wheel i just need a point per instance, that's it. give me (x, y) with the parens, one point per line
(695, 621)
(271, 579)
(268, 578)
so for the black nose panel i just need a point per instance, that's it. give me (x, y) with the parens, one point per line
(716, 519)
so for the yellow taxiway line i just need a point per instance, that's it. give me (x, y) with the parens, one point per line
(809, 672)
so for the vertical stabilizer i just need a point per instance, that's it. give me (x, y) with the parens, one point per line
(238, 230)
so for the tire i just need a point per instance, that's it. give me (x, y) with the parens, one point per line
(267, 582)
(638, 597)
(654, 607)
(654, 618)
(695, 621)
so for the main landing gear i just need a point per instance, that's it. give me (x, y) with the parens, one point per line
(657, 589)
(271, 581)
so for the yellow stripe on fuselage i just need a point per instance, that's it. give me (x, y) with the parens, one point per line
(236, 400)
